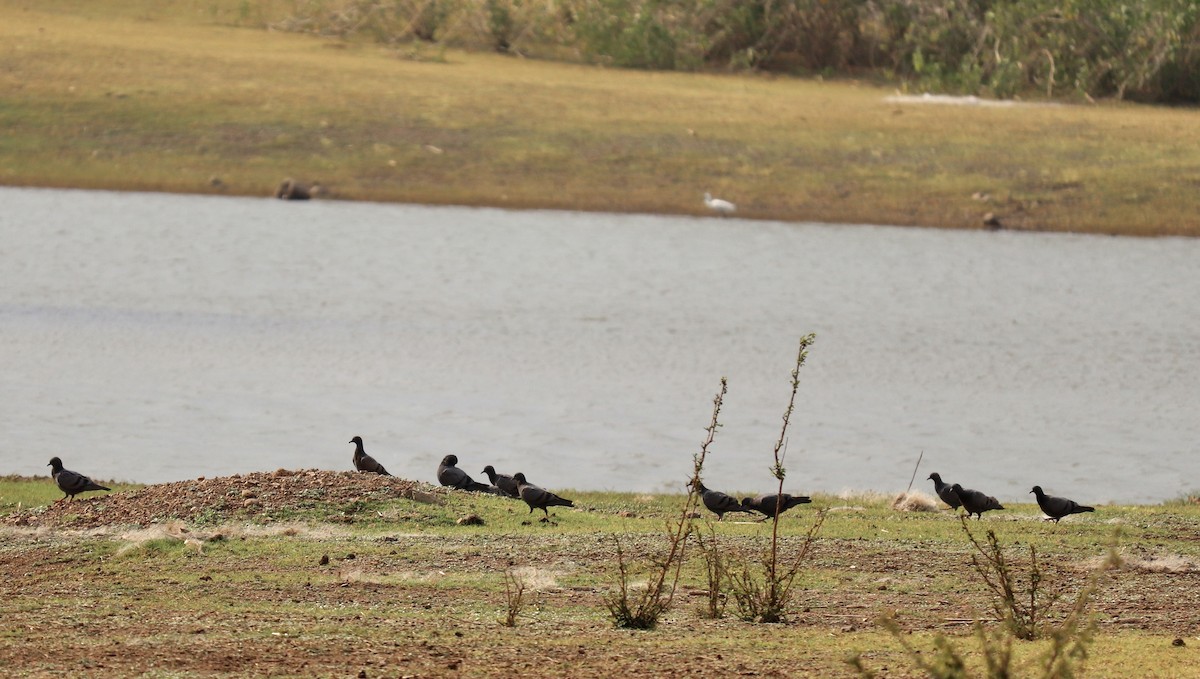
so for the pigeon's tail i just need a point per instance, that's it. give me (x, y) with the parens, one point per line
(478, 487)
(100, 487)
(561, 502)
(1081, 509)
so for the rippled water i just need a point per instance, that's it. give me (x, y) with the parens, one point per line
(157, 337)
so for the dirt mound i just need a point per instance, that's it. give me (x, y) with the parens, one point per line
(241, 496)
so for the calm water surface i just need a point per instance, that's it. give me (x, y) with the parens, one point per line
(158, 337)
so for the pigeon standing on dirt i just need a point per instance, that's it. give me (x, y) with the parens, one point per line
(538, 498)
(719, 503)
(767, 504)
(943, 491)
(449, 475)
(69, 482)
(364, 462)
(1056, 508)
(506, 484)
(974, 501)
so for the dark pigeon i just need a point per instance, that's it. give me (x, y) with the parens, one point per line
(1058, 507)
(449, 475)
(974, 501)
(538, 498)
(506, 484)
(943, 491)
(364, 462)
(719, 503)
(767, 504)
(70, 482)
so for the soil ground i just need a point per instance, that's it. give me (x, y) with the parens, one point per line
(198, 578)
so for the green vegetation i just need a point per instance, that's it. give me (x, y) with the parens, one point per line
(193, 96)
(1091, 48)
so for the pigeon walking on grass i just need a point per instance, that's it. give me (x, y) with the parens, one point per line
(943, 491)
(449, 475)
(719, 503)
(538, 498)
(1056, 508)
(69, 482)
(974, 501)
(364, 462)
(506, 484)
(767, 504)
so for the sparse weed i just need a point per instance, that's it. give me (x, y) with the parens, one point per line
(1023, 611)
(514, 595)
(765, 599)
(644, 611)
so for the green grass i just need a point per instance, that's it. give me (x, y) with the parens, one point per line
(172, 96)
(23, 492)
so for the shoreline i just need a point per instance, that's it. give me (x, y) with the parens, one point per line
(485, 130)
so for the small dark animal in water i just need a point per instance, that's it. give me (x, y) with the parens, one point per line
(69, 482)
(290, 189)
(1056, 508)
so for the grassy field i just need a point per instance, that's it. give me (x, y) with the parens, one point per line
(194, 96)
(396, 587)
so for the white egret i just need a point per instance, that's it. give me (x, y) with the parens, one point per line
(723, 207)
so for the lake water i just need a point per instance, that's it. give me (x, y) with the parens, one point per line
(154, 337)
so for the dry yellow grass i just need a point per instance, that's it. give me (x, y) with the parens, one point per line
(170, 96)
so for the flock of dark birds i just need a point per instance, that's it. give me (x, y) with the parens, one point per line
(448, 474)
(974, 502)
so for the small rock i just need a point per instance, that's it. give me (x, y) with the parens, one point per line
(324, 560)
(991, 221)
(1178, 642)
(349, 557)
(470, 520)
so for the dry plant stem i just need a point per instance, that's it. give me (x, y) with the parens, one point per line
(714, 571)
(514, 592)
(778, 470)
(914, 474)
(659, 593)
